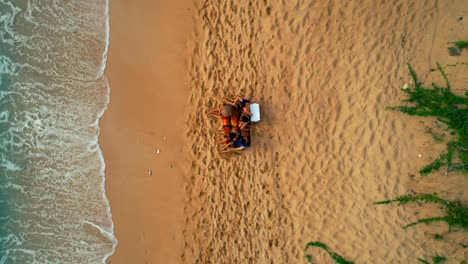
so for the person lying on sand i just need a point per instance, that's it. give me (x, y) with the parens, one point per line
(220, 112)
(244, 121)
(235, 116)
(225, 114)
(226, 141)
(240, 103)
(233, 149)
(237, 145)
(232, 137)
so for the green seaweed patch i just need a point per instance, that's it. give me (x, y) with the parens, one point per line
(435, 165)
(457, 47)
(456, 212)
(446, 107)
(461, 44)
(436, 136)
(337, 258)
(435, 260)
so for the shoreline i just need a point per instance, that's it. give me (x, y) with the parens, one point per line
(326, 147)
(146, 69)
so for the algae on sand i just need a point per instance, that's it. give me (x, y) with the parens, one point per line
(337, 258)
(448, 108)
(456, 212)
(435, 260)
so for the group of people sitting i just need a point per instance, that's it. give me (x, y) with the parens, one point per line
(235, 116)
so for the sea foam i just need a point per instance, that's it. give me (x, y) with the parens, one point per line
(53, 207)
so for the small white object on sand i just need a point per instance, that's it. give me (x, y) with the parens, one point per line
(255, 109)
(157, 151)
(150, 173)
(405, 86)
(420, 156)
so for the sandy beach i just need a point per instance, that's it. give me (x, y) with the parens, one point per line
(325, 150)
(146, 74)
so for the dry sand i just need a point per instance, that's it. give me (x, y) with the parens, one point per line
(325, 150)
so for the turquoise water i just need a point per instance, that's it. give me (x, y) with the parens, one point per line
(53, 207)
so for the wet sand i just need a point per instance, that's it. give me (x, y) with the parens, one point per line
(148, 50)
(325, 150)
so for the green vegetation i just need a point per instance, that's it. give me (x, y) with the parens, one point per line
(456, 213)
(437, 137)
(434, 165)
(337, 258)
(448, 108)
(435, 260)
(461, 44)
(457, 47)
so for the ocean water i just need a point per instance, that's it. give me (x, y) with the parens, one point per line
(53, 207)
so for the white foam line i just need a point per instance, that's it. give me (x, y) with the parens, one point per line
(109, 235)
(106, 48)
(101, 156)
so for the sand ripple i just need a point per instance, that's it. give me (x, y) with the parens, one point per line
(323, 72)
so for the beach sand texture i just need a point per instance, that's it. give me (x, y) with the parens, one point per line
(146, 114)
(326, 148)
